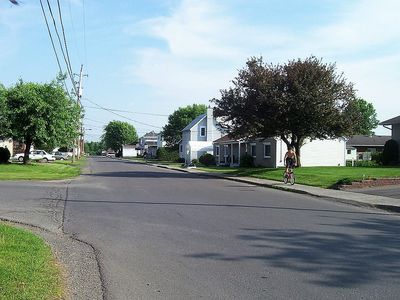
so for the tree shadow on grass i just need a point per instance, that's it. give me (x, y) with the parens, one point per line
(339, 259)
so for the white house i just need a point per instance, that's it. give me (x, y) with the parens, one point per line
(198, 136)
(129, 151)
(148, 144)
(270, 152)
(160, 141)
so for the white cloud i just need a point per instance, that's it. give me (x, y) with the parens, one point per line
(205, 46)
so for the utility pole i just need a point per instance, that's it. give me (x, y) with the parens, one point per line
(79, 143)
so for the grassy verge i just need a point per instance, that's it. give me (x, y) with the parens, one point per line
(41, 171)
(324, 177)
(27, 267)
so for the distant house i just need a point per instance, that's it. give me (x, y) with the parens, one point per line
(148, 144)
(361, 147)
(198, 136)
(395, 127)
(160, 141)
(270, 152)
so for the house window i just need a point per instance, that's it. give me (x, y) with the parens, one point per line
(202, 131)
(180, 148)
(267, 150)
(226, 153)
(348, 151)
(253, 150)
(216, 150)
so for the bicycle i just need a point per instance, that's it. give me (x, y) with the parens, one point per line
(288, 177)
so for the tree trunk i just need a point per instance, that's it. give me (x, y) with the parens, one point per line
(28, 145)
(297, 147)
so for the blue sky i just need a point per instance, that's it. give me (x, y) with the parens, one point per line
(157, 55)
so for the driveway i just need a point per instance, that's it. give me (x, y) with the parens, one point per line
(392, 191)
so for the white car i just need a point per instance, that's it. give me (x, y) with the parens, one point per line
(35, 155)
(45, 156)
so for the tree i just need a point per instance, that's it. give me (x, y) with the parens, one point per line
(93, 148)
(3, 121)
(41, 114)
(295, 101)
(363, 117)
(118, 133)
(179, 119)
(390, 155)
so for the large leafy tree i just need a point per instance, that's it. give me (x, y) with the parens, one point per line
(118, 133)
(94, 148)
(179, 119)
(3, 121)
(295, 101)
(362, 114)
(41, 114)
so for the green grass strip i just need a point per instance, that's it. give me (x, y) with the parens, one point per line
(27, 267)
(41, 171)
(324, 177)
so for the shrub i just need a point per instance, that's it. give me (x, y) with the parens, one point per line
(4, 155)
(167, 154)
(180, 160)
(247, 161)
(207, 159)
(390, 153)
(366, 163)
(377, 157)
(195, 161)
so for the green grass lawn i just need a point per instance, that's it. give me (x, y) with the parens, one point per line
(41, 171)
(316, 176)
(27, 267)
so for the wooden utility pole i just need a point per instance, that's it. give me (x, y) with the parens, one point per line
(79, 143)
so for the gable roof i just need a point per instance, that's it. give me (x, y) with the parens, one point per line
(194, 122)
(366, 140)
(395, 120)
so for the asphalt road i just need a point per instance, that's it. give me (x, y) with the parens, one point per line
(163, 234)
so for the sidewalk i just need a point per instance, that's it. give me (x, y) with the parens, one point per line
(353, 198)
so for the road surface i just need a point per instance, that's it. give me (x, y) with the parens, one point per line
(163, 234)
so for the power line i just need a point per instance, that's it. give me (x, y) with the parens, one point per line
(122, 116)
(69, 69)
(84, 32)
(131, 112)
(52, 43)
(63, 32)
(93, 120)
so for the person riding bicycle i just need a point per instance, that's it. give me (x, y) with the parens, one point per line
(290, 159)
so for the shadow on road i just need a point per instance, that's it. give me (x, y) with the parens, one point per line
(340, 259)
(146, 174)
(94, 201)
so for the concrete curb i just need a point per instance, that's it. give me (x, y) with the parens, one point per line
(356, 199)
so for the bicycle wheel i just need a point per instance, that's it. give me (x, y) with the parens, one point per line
(285, 178)
(292, 179)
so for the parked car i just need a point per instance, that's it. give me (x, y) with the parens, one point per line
(110, 154)
(32, 156)
(45, 156)
(60, 155)
(35, 155)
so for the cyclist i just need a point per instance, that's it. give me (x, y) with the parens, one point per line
(290, 159)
